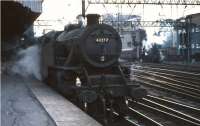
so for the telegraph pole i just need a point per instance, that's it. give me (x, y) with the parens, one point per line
(188, 40)
(83, 8)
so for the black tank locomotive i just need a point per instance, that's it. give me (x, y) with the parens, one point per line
(89, 54)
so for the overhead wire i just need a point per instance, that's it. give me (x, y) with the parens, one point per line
(131, 10)
(107, 11)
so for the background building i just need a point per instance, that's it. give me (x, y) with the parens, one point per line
(132, 36)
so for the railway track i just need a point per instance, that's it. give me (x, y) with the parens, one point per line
(155, 111)
(173, 86)
(159, 111)
(162, 114)
(168, 89)
(175, 73)
(195, 112)
(181, 83)
(119, 120)
(188, 68)
(152, 111)
(170, 78)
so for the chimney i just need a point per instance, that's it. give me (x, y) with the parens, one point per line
(92, 19)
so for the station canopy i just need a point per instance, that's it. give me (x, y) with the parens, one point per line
(195, 18)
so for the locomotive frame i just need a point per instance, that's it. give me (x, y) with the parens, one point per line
(82, 63)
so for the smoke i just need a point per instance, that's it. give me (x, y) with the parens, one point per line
(157, 35)
(28, 64)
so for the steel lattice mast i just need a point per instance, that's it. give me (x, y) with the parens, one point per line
(176, 24)
(154, 2)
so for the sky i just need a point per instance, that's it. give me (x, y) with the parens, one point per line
(58, 13)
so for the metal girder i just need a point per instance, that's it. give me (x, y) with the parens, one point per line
(44, 22)
(175, 24)
(155, 2)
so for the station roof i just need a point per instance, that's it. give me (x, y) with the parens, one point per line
(195, 18)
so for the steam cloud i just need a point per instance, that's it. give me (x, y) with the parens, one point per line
(158, 36)
(28, 64)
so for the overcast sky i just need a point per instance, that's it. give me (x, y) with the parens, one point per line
(69, 9)
(66, 11)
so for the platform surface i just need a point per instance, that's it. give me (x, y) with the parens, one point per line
(29, 102)
(19, 107)
(63, 112)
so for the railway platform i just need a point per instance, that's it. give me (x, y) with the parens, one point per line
(28, 102)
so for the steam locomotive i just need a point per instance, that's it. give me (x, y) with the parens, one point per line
(82, 62)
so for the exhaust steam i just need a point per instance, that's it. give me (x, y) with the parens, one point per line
(28, 64)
